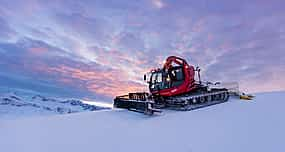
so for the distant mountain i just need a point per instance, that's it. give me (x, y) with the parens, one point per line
(16, 104)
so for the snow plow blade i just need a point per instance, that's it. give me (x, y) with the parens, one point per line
(137, 102)
(233, 89)
(246, 96)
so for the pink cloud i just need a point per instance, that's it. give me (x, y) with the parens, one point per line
(104, 82)
(38, 50)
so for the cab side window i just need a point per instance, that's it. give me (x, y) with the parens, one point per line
(177, 76)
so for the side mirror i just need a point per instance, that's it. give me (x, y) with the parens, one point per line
(144, 77)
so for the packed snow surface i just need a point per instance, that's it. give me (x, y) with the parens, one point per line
(235, 126)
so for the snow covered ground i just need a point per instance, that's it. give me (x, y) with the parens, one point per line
(235, 126)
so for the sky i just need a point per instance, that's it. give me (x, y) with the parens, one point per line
(102, 48)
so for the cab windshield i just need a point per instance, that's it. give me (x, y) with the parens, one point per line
(166, 79)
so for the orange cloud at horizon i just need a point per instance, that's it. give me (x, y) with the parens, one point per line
(109, 83)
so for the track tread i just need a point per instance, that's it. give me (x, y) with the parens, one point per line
(181, 103)
(186, 102)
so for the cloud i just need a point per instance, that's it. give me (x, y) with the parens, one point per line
(98, 46)
(105, 82)
(6, 31)
(252, 63)
(158, 3)
(38, 50)
(129, 42)
(86, 28)
(36, 58)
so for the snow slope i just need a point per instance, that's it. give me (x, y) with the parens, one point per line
(235, 126)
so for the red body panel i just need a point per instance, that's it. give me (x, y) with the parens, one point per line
(188, 83)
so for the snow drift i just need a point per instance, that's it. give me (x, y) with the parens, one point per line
(235, 126)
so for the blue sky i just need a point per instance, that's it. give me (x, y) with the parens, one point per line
(102, 48)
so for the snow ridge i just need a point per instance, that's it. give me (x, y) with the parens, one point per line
(15, 105)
